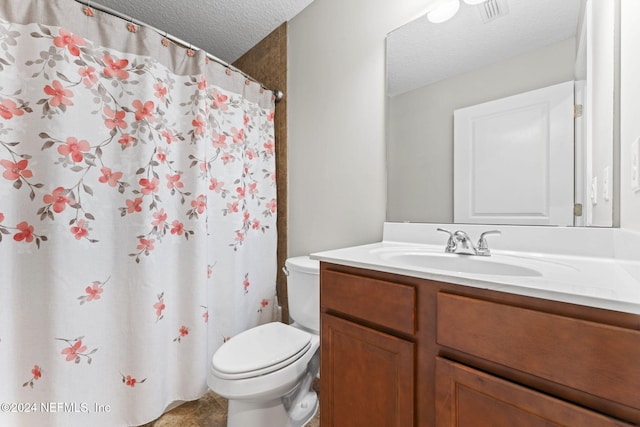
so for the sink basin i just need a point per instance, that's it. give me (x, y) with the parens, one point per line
(462, 264)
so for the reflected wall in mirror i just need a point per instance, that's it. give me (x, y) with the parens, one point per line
(490, 51)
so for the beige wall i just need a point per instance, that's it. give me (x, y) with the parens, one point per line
(420, 147)
(336, 116)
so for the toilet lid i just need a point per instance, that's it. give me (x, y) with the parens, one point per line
(260, 350)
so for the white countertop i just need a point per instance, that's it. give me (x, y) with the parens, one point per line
(598, 276)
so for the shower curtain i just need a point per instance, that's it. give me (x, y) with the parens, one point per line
(137, 216)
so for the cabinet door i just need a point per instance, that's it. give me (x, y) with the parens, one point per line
(366, 377)
(466, 397)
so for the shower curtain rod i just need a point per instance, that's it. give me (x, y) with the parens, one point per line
(277, 93)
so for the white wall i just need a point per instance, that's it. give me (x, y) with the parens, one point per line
(336, 118)
(600, 65)
(420, 147)
(629, 110)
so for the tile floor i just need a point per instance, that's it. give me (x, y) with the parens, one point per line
(209, 411)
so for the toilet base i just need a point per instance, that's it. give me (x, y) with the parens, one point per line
(249, 413)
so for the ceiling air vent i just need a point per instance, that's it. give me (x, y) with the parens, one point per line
(491, 10)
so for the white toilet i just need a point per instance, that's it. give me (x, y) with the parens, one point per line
(266, 372)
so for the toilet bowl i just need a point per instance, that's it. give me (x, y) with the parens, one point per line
(266, 372)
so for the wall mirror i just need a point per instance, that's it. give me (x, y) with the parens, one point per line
(496, 50)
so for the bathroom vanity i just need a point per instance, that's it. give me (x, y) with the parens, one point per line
(412, 346)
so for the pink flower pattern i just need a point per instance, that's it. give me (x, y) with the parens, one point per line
(161, 91)
(74, 149)
(182, 333)
(149, 186)
(109, 177)
(199, 125)
(219, 141)
(76, 350)
(79, 231)
(88, 75)
(93, 292)
(237, 135)
(219, 101)
(263, 304)
(126, 140)
(168, 136)
(73, 352)
(115, 119)
(36, 373)
(15, 171)
(144, 111)
(59, 95)
(159, 219)
(25, 232)
(199, 205)
(246, 283)
(71, 42)
(146, 245)
(159, 307)
(177, 227)
(8, 109)
(57, 199)
(216, 185)
(115, 67)
(173, 181)
(134, 205)
(130, 381)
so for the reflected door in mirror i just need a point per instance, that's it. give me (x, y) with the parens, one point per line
(512, 159)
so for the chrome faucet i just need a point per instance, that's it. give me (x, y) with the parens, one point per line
(466, 245)
(451, 242)
(460, 243)
(483, 247)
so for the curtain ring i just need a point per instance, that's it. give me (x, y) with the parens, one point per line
(88, 10)
(131, 26)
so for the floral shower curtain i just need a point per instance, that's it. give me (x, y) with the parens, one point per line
(137, 216)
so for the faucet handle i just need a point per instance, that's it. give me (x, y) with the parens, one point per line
(451, 243)
(483, 247)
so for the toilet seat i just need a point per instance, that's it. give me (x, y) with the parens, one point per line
(260, 350)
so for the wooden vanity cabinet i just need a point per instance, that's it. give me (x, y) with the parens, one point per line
(367, 355)
(403, 351)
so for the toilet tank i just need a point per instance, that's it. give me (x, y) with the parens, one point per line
(303, 290)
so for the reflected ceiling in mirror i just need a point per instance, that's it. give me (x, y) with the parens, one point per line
(420, 52)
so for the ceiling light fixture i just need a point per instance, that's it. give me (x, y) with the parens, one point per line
(444, 12)
(448, 9)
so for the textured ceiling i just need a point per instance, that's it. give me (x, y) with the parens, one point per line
(225, 28)
(422, 53)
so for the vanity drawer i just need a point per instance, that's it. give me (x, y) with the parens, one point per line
(469, 397)
(387, 304)
(596, 358)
